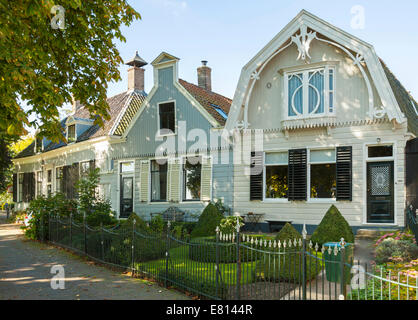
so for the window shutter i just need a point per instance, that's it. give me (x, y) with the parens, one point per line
(14, 187)
(26, 187)
(92, 164)
(64, 182)
(73, 176)
(173, 180)
(256, 176)
(297, 174)
(144, 181)
(206, 179)
(344, 173)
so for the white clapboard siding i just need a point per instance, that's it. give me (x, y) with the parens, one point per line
(144, 177)
(173, 180)
(206, 180)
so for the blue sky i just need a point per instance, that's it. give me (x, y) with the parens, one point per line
(229, 33)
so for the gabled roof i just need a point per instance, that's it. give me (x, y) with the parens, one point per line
(405, 100)
(209, 100)
(118, 109)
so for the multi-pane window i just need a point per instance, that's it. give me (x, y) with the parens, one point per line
(276, 171)
(380, 151)
(192, 170)
(20, 187)
(127, 167)
(158, 180)
(58, 179)
(323, 174)
(167, 118)
(49, 183)
(71, 133)
(310, 93)
(39, 177)
(84, 168)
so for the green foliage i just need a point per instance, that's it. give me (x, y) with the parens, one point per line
(78, 57)
(220, 206)
(208, 221)
(157, 224)
(390, 249)
(228, 225)
(288, 232)
(332, 228)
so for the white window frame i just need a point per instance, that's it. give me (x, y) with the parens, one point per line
(75, 132)
(282, 200)
(19, 189)
(308, 182)
(50, 183)
(159, 134)
(79, 167)
(55, 178)
(305, 88)
(182, 162)
(36, 183)
(150, 179)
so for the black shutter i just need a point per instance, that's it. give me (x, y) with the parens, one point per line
(64, 181)
(256, 178)
(73, 178)
(32, 182)
(344, 173)
(25, 187)
(92, 164)
(297, 174)
(14, 187)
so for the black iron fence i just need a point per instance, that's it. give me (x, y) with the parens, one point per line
(233, 266)
(412, 221)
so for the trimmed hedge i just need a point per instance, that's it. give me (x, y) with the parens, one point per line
(208, 221)
(332, 228)
(288, 232)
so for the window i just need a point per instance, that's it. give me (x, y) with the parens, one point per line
(84, 168)
(192, 170)
(167, 118)
(219, 110)
(276, 179)
(49, 183)
(39, 177)
(159, 180)
(20, 187)
(127, 167)
(310, 93)
(71, 136)
(380, 151)
(323, 174)
(59, 179)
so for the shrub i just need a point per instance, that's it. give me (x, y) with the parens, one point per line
(397, 235)
(208, 221)
(228, 225)
(288, 232)
(332, 228)
(157, 224)
(140, 224)
(390, 249)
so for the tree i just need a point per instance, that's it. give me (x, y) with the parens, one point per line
(53, 52)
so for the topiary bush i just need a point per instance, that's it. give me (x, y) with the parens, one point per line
(208, 221)
(288, 232)
(332, 228)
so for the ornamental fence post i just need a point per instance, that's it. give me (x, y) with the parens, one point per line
(85, 233)
(304, 253)
(102, 240)
(71, 230)
(238, 262)
(133, 247)
(217, 262)
(343, 287)
(166, 253)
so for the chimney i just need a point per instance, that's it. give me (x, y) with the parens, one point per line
(76, 105)
(136, 73)
(204, 78)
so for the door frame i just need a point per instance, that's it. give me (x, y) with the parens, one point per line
(119, 178)
(366, 160)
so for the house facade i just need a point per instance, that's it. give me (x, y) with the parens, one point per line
(154, 152)
(327, 124)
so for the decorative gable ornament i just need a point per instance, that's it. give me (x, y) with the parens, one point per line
(303, 42)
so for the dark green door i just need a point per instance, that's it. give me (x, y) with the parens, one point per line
(126, 196)
(380, 192)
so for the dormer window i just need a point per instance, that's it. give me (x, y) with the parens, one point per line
(71, 133)
(310, 93)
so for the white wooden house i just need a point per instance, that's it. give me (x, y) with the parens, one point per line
(334, 123)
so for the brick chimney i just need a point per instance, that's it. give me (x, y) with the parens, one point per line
(76, 105)
(204, 78)
(136, 73)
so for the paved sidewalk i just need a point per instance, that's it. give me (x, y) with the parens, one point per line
(25, 274)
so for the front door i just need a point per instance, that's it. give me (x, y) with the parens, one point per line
(126, 196)
(380, 192)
